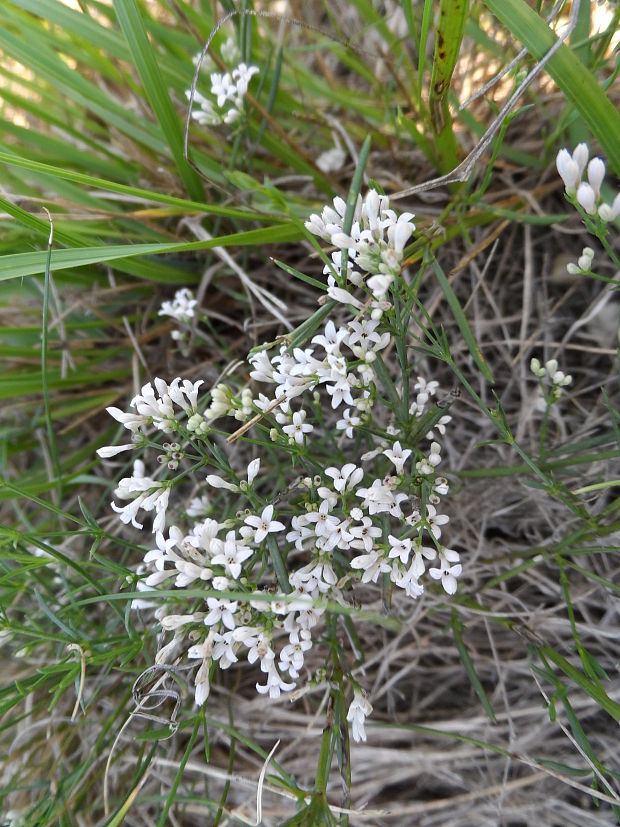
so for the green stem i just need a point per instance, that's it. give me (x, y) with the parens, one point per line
(322, 770)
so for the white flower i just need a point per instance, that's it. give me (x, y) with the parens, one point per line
(263, 369)
(359, 710)
(447, 573)
(113, 450)
(332, 160)
(596, 174)
(571, 167)
(537, 368)
(181, 307)
(264, 525)
(417, 567)
(221, 610)
(400, 548)
(345, 478)
(171, 622)
(325, 522)
(275, 684)
(253, 469)
(203, 534)
(130, 420)
(364, 535)
(340, 392)
(407, 580)
(331, 338)
(223, 88)
(221, 401)
(440, 487)
(233, 555)
(379, 284)
(347, 423)
(185, 394)
(428, 388)
(398, 456)
(158, 408)
(300, 531)
(198, 506)
(586, 198)
(607, 213)
(230, 51)
(435, 520)
(292, 655)
(216, 481)
(377, 498)
(426, 466)
(371, 564)
(146, 494)
(201, 681)
(344, 297)
(242, 76)
(568, 169)
(298, 428)
(224, 649)
(207, 114)
(585, 259)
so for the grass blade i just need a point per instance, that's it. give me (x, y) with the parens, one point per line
(146, 64)
(457, 629)
(452, 15)
(461, 320)
(578, 84)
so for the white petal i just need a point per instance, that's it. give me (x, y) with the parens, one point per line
(113, 450)
(253, 469)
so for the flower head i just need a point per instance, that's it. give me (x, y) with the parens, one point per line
(264, 525)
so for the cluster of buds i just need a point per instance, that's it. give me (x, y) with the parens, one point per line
(558, 379)
(586, 193)
(584, 262)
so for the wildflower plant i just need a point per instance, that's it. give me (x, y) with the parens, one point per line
(594, 199)
(227, 90)
(304, 545)
(270, 566)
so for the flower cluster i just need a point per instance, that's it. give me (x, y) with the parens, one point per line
(181, 308)
(374, 244)
(228, 89)
(364, 512)
(586, 193)
(557, 378)
(584, 262)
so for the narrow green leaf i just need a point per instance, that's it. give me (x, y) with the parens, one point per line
(299, 275)
(594, 691)
(457, 629)
(18, 265)
(278, 564)
(40, 226)
(177, 778)
(51, 437)
(452, 15)
(146, 64)
(461, 320)
(426, 22)
(578, 84)
(356, 185)
(11, 159)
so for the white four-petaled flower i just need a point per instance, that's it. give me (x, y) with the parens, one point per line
(264, 525)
